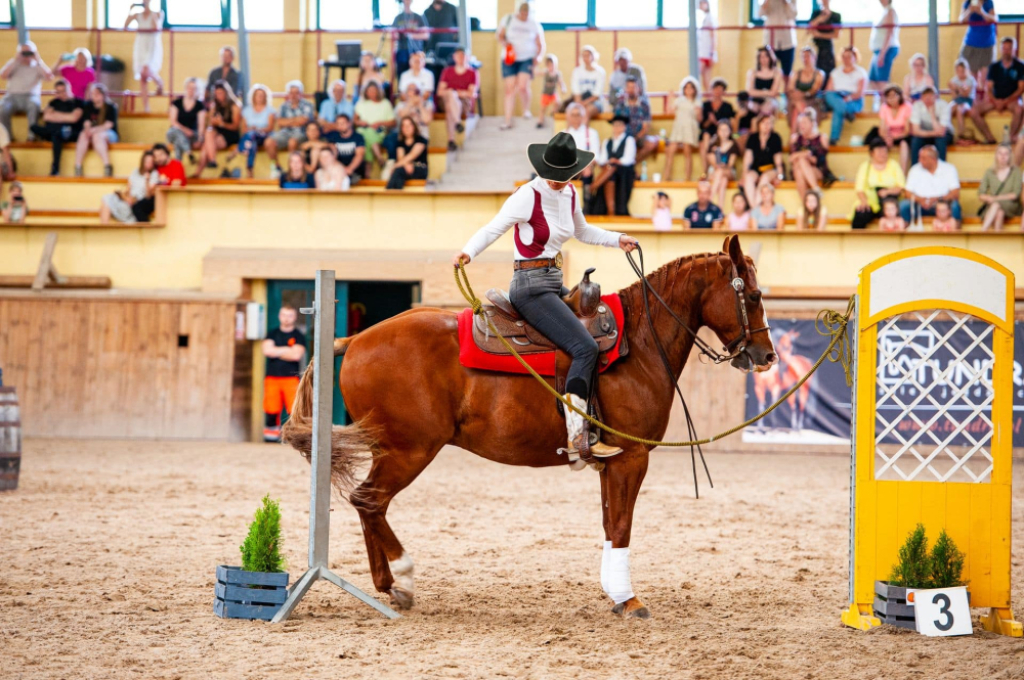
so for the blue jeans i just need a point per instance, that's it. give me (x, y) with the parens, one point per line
(954, 207)
(840, 107)
(785, 58)
(880, 74)
(250, 144)
(918, 143)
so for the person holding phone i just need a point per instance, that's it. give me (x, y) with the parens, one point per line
(979, 46)
(24, 74)
(16, 209)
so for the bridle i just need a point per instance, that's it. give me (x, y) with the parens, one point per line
(746, 336)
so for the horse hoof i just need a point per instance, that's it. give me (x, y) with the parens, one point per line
(401, 598)
(632, 607)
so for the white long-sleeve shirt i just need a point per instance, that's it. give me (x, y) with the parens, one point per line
(586, 138)
(628, 153)
(543, 219)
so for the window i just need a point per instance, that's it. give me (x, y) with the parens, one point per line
(118, 11)
(909, 11)
(487, 12)
(260, 15)
(196, 13)
(45, 13)
(676, 13)
(5, 13)
(351, 15)
(1009, 9)
(620, 14)
(561, 13)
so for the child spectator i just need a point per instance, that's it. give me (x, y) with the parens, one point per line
(295, 176)
(79, 74)
(713, 111)
(257, 124)
(15, 209)
(284, 349)
(223, 130)
(311, 147)
(963, 87)
(891, 219)
(894, 118)
(141, 185)
(769, 214)
(411, 160)
(331, 176)
(614, 185)
(707, 44)
(188, 121)
(944, 220)
(686, 127)
(62, 122)
(99, 129)
(661, 211)
(813, 214)
(918, 78)
(351, 149)
(722, 161)
(740, 219)
(588, 81)
(553, 82)
(702, 213)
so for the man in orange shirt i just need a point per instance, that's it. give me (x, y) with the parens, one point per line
(284, 348)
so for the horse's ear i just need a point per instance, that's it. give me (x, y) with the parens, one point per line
(732, 245)
(725, 245)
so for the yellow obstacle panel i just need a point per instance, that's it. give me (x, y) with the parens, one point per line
(932, 427)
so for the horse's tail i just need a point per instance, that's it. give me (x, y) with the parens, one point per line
(352, 446)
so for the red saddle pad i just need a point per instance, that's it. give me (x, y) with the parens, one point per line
(472, 356)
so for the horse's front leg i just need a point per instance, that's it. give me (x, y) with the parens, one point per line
(620, 486)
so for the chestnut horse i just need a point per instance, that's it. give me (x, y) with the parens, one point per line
(409, 396)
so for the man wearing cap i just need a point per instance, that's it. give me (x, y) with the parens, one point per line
(24, 74)
(544, 214)
(930, 121)
(625, 69)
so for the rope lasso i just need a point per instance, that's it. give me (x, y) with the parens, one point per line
(827, 323)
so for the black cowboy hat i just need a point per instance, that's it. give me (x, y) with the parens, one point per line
(559, 160)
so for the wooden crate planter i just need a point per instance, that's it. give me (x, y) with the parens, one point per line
(891, 605)
(236, 600)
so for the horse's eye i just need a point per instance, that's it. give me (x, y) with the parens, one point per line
(755, 297)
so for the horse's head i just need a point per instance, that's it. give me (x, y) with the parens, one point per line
(733, 309)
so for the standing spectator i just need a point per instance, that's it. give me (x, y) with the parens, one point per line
(845, 94)
(411, 35)
(224, 71)
(714, 111)
(440, 14)
(257, 125)
(99, 129)
(188, 121)
(411, 162)
(918, 78)
(311, 148)
(418, 74)
(369, 72)
(588, 81)
(894, 118)
(623, 71)
(813, 214)
(295, 176)
(805, 84)
(963, 87)
(878, 178)
(79, 73)
(224, 128)
(1004, 87)
(24, 74)
(768, 214)
(374, 118)
(292, 117)
(62, 121)
(172, 172)
(284, 348)
(141, 184)
(15, 209)
(637, 110)
(522, 39)
(929, 182)
(457, 91)
(740, 219)
(148, 53)
(351, 149)
(1000, 191)
(929, 124)
(885, 45)
(553, 83)
(586, 138)
(824, 27)
(780, 30)
(707, 45)
(722, 161)
(685, 128)
(703, 214)
(617, 158)
(809, 155)
(336, 105)
(979, 46)
(765, 82)
(331, 176)
(762, 161)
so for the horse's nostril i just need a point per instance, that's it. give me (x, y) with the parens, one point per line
(770, 358)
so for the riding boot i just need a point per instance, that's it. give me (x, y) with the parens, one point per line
(578, 431)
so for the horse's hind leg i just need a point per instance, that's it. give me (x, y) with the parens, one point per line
(391, 471)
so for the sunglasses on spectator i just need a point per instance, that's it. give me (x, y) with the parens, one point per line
(27, 53)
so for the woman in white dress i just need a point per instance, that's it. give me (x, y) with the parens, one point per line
(148, 55)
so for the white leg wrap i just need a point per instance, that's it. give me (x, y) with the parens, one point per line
(617, 583)
(605, 554)
(573, 420)
(401, 570)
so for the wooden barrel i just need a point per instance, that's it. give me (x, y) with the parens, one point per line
(10, 439)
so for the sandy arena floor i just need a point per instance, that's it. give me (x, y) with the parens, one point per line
(108, 550)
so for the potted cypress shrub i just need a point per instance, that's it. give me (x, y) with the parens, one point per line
(258, 588)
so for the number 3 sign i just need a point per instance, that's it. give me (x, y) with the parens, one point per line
(943, 611)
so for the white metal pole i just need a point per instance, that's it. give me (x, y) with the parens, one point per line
(19, 21)
(692, 38)
(243, 54)
(323, 410)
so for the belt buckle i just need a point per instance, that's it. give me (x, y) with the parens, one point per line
(558, 260)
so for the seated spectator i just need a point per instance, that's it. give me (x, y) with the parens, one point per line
(685, 128)
(765, 82)
(878, 178)
(703, 214)
(637, 110)
(292, 118)
(311, 147)
(369, 72)
(762, 161)
(891, 220)
(929, 124)
(456, 92)
(741, 218)
(142, 183)
(171, 171)
(623, 71)
(330, 176)
(351, 149)
(661, 211)
(713, 111)
(420, 75)
(769, 214)
(258, 120)
(76, 68)
(586, 85)
(918, 78)
(553, 83)
(62, 121)
(894, 123)
(1003, 90)
(15, 209)
(745, 119)
(224, 128)
(944, 219)
(808, 154)
(224, 71)
(99, 129)
(188, 121)
(845, 94)
(24, 74)
(295, 176)
(805, 86)
(813, 214)
(334, 106)
(1000, 191)
(613, 186)
(374, 117)
(963, 87)
(414, 104)
(8, 166)
(722, 161)
(929, 181)
(410, 36)
(586, 138)
(411, 161)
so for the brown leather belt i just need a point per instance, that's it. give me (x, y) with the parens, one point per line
(520, 265)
